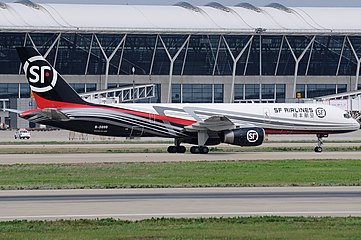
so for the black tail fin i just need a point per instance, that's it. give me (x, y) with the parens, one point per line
(49, 88)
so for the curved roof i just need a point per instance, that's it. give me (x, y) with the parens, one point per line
(273, 19)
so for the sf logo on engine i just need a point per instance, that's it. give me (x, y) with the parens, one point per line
(252, 136)
(41, 76)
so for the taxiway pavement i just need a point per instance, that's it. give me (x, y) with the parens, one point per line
(166, 157)
(134, 204)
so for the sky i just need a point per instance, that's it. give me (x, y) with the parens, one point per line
(288, 3)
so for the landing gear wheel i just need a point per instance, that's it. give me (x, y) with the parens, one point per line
(176, 149)
(181, 149)
(204, 149)
(195, 149)
(199, 149)
(318, 149)
(172, 149)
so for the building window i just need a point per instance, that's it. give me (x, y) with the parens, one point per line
(318, 90)
(90, 87)
(176, 93)
(78, 87)
(252, 91)
(280, 93)
(9, 90)
(271, 92)
(341, 88)
(24, 90)
(197, 93)
(238, 92)
(301, 90)
(268, 91)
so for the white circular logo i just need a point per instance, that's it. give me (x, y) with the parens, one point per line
(320, 112)
(41, 76)
(252, 136)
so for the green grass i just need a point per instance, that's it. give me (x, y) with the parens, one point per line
(182, 174)
(227, 228)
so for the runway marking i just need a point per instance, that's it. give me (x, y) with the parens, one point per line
(348, 213)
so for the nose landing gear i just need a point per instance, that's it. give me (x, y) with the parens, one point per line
(318, 148)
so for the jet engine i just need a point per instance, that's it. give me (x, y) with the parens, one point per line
(251, 136)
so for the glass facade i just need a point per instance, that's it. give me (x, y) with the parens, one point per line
(202, 55)
(318, 90)
(197, 93)
(264, 92)
(191, 55)
(82, 87)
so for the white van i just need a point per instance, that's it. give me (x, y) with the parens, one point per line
(22, 133)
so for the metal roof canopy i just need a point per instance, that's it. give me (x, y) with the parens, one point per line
(29, 4)
(248, 6)
(183, 18)
(219, 6)
(279, 7)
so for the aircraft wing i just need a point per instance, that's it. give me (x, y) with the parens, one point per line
(213, 123)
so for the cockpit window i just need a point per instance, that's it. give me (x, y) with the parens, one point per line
(347, 115)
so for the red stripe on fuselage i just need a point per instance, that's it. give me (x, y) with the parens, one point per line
(285, 132)
(44, 103)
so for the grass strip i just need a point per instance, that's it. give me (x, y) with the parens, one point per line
(224, 228)
(62, 150)
(182, 174)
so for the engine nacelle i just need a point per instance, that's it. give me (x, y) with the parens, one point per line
(251, 136)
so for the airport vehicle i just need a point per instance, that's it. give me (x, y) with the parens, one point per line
(198, 124)
(22, 133)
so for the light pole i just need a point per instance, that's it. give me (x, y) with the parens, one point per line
(133, 71)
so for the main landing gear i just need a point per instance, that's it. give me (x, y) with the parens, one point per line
(193, 149)
(177, 148)
(318, 147)
(200, 149)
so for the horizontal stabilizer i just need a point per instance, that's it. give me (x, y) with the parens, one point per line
(13, 111)
(54, 114)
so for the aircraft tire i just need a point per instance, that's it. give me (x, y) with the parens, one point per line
(172, 149)
(204, 149)
(181, 149)
(318, 149)
(195, 150)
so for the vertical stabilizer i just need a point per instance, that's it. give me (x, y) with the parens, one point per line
(47, 85)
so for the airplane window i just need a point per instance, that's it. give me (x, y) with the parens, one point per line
(347, 115)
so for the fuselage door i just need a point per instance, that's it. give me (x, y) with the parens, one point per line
(136, 131)
(266, 115)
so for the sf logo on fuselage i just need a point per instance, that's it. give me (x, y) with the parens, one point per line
(252, 136)
(320, 112)
(40, 75)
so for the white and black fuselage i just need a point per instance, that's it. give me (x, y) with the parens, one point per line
(200, 124)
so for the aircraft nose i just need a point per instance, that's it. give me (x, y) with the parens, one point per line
(357, 123)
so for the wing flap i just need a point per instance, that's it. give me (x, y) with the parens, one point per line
(214, 123)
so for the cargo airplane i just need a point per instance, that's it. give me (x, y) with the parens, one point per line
(201, 125)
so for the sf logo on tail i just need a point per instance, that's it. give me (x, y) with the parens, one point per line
(40, 75)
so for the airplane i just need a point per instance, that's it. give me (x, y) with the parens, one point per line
(201, 125)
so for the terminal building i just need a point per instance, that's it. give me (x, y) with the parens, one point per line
(204, 54)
